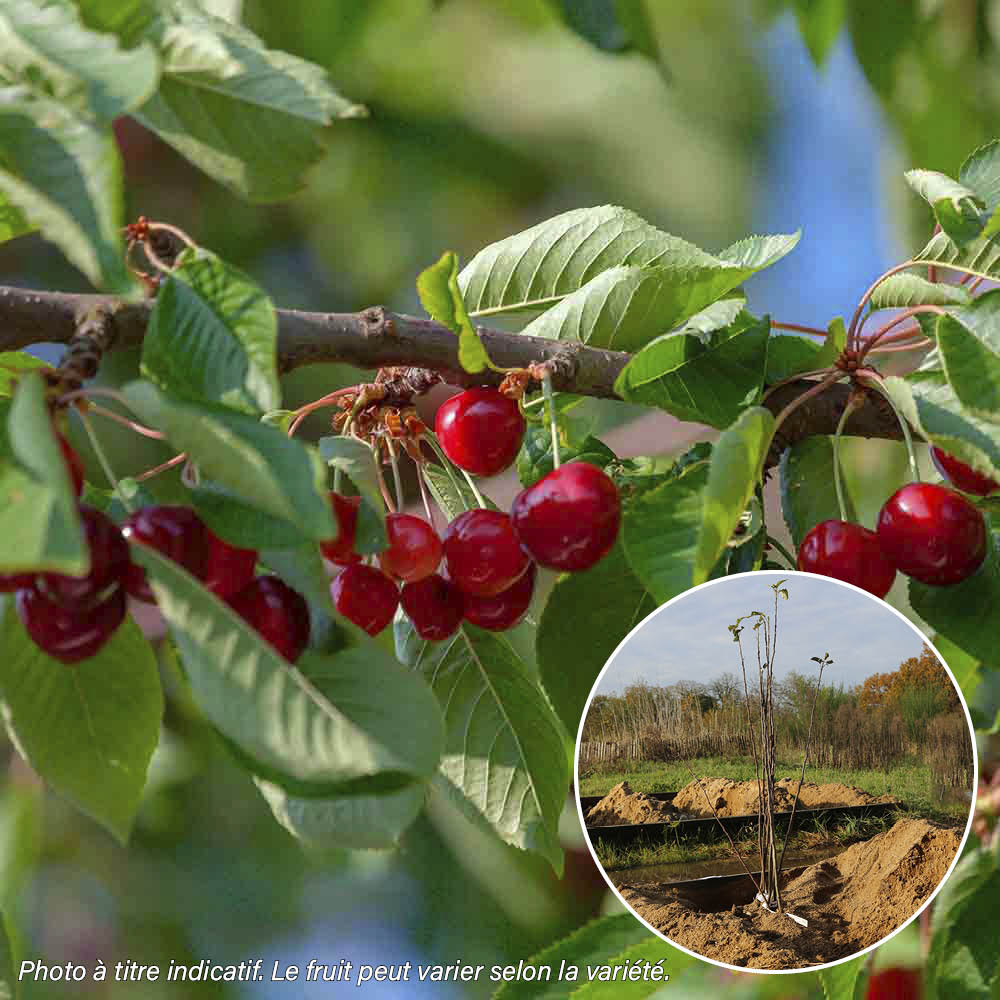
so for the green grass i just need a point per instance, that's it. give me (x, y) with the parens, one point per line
(909, 781)
(690, 850)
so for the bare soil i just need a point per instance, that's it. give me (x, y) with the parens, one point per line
(850, 901)
(739, 798)
(622, 805)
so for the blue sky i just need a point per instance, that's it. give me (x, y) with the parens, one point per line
(689, 641)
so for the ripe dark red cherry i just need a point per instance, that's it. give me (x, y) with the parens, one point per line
(504, 610)
(10, 582)
(277, 613)
(340, 550)
(73, 463)
(176, 532)
(69, 634)
(414, 548)
(569, 519)
(847, 552)
(228, 569)
(932, 533)
(109, 564)
(366, 596)
(482, 552)
(894, 983)
(434, 605)
(480, 430)
(962, 476)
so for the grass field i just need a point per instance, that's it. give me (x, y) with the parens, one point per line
(910, 782)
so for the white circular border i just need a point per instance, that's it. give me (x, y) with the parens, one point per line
(787, 574)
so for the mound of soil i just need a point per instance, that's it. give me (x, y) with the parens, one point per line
(851, 901)
(739, 798)
(622, 805)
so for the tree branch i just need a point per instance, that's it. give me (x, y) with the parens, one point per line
(375, 337)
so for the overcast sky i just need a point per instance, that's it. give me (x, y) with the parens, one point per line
(688, 640)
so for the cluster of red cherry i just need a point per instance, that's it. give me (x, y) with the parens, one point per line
(483, 570)
(925, 530)
(72, 617)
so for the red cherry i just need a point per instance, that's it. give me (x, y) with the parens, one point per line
(847, 552)
(504, 610)
(480, 430)
(963, 476)
(277, 613)
(175, 532)
(228, 568)
(894, 984)
(414, 548)
(434, 605)
(366, 596)
(932, 533)
(73, 463)
(482, 552)
(569, 519)
(340, 550)
(69, 634)
(10, 582)
(109, 563)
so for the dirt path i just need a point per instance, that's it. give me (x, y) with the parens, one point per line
(851, 901)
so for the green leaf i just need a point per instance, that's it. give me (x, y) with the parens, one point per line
(807, 494)
(929, 403)
(8, 978)
(12, 221)
(612, 25)
(660, 530)
(261, 466)
(535, 457)
(967, 669)
(789, 355)
(651, 950)
(128, 19)
(980, 257)
(967, 613)
(586, 616)
(452, 493)
(734, 472)
(840, 981)
(440, 295)
(901, 291)
(63, 175)
(357, 461)
(595, 943)
(252, 118)
(969, 345)
(963, 962)
(714, 317)
(535, 269)
(313, 727)
(504, 756)
(213, 336)
(958, 210)
(240, 524)
(710, 385)
(89, 730)
(46, 48)
(14, 365)
(820, 22)
(358, 821)
(835, 342)
(39, 524)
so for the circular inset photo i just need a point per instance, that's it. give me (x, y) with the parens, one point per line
(775, 771)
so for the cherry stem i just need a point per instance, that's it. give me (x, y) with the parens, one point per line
(799, 328)
(125, 422)
(475, 491)
(914, 345)
(794, 378)
(856, 318)
(838, 482)
(383, 487)
(782, 551)
(156, 470)
(553, 420)
(446, 463)
(808, 394)
(424, 495)
(103, 459)
(396, 479)
(903, 425)
(906, 314)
